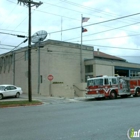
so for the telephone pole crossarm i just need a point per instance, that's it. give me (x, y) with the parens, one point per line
(26, 2)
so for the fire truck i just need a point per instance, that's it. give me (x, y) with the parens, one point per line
(112, 87)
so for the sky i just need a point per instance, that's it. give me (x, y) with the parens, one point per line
(61, 19)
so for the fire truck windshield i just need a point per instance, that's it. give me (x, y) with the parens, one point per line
(95, 82)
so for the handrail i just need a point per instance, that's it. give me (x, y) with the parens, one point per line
(79, 88)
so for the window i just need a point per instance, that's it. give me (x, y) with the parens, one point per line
(133, 73)
(12, 87)
(90, 82)
(8, 88)
(2, 87)
(88, 68)
(106, 81)
(95, 82)
(99, 82)
(114, 81)
(41, 79)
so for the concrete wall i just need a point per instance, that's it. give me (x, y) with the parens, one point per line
(80, 89)
(21, 70)
(61, 90)
(60, 59)
(103, 70)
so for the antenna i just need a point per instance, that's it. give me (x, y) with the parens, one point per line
(39, 36)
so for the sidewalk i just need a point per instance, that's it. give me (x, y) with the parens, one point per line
(50, 100)
(46, 99)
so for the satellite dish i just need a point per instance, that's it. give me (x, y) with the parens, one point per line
(39, 36)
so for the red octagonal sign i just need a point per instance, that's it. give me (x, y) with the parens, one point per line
(50, 77)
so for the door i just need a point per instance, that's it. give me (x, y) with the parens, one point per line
(13, 90)
(7, 91)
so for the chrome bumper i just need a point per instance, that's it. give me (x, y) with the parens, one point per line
(94, 95)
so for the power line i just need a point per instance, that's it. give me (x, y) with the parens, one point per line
(79, 27)
(61, 15)
(13, 30)
(11, 1)
(63, 8)
(22, 36)
(19, 44)
(67, 53)
(67, 9)
(101, 23)
(86, 25)
(9, 14)
(114, 19)
(96, 39)
(113, 47)
(4, 48)
(89, 8)
(71, 18)
(7, 45)
(105, 31)
(55, 14)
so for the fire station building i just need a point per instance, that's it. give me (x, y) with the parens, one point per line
(105, 64)
(63, 61)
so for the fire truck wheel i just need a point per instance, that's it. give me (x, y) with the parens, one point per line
(137, 94)
(113, 95)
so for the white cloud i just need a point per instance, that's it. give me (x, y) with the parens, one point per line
(120, 40)
(88, 3)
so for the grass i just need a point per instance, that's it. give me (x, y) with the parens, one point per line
(19, 103)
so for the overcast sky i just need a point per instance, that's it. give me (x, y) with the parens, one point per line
(117, 37)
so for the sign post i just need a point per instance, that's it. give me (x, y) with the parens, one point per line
(50, 78)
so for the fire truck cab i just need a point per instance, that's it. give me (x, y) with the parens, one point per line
(111, 86)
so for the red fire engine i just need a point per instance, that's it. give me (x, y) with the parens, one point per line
(111, 86)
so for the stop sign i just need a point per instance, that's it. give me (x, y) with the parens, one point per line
(50, 77)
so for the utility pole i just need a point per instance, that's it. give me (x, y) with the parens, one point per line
(30, 4)
(39, 68)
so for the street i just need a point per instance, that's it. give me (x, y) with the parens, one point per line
(82, 120)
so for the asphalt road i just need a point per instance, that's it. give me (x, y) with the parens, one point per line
(83, 120)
